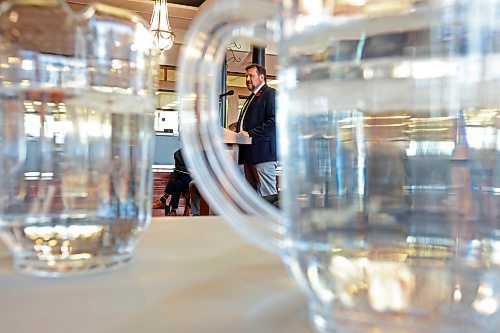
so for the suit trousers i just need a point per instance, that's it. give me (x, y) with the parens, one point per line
(262, 177)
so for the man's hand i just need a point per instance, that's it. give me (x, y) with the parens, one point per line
(244, 133)
(232, 127)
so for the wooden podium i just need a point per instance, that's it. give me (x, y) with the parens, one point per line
(233, 141)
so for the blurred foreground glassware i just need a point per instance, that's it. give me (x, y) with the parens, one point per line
(389, 130)
(76, 136)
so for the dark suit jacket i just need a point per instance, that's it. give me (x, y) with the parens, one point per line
(260, 123)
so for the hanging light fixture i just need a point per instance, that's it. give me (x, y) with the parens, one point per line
(160, 27)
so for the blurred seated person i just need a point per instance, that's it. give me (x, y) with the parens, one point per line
(178, 183)
(194, 195)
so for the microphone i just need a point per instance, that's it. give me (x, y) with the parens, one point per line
(228, 93)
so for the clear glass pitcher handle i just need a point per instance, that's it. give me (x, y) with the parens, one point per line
(217, 177)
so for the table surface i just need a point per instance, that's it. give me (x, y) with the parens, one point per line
(188, 275)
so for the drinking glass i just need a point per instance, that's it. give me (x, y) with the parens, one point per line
(389, 136)
(76, 135)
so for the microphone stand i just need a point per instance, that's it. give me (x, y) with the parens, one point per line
(222, 107)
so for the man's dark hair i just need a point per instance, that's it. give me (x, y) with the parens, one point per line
(261, 70)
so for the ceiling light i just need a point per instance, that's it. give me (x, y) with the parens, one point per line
(160, 27)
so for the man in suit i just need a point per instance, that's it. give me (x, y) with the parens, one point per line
(257, 120)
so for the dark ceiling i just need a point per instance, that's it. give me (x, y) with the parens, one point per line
(193, 3)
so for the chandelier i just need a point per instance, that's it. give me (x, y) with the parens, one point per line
(160, 27)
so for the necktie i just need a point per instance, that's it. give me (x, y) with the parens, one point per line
(243, 112)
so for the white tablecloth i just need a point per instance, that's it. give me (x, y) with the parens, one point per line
(189, 274)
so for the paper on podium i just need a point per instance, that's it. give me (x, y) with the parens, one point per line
(235, 138)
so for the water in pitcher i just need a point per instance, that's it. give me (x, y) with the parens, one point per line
(393, 182)
(81, 202)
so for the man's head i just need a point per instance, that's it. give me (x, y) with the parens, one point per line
(255, 75)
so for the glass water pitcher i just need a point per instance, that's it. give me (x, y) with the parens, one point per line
(389, 137)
